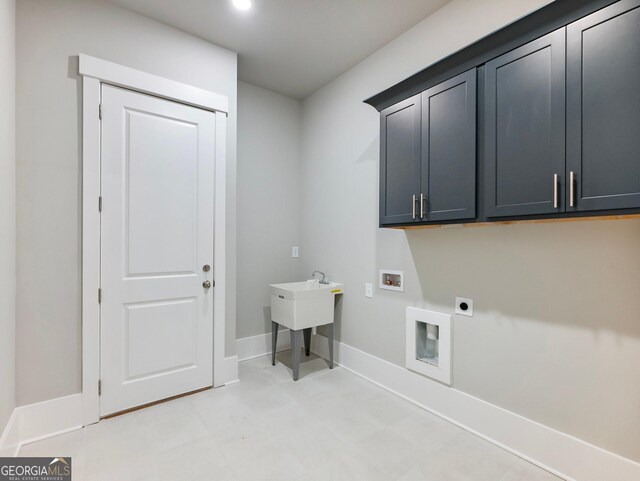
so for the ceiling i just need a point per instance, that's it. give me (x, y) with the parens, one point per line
(291, 46)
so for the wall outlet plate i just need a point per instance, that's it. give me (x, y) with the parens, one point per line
(464, 306)
(295, 251)
(391, 280)
(368, 290)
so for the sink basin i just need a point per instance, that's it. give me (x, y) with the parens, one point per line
(300, 305)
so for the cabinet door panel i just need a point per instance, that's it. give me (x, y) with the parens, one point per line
(399, 161)
(449, 149)
(603, 108)
(525, 128)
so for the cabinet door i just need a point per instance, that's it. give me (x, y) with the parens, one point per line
(525, 128)
(400, 162)
(449, 149)
(603, 109)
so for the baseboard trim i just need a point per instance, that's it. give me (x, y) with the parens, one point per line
(42, 420)
(256, 346)
(559, 453)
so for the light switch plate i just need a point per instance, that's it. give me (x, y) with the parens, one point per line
(368, 290)
(295, 251)
(464, 306)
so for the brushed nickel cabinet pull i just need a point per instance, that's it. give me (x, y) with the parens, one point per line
(421, 206)
(413, 206)
(571, 188)
(555, 191)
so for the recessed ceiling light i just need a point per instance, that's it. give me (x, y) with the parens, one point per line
(242, 4)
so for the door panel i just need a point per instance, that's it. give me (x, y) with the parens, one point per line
(603, 108)
(157, 339)
(162, 215)
(400, 161)
(525, 128)
(449, 149)
(157, 233)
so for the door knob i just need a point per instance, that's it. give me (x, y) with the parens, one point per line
(206, 284)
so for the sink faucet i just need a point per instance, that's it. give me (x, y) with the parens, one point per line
(322, 281)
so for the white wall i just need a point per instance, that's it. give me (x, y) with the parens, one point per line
(7, 210)
(269, 207)
(50, 35)
(555, 335)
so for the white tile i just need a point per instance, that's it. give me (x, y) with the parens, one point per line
(387, 408)
(428, 432)
(347, 465)
(390, 452)
(524, 471)
(325, 405)
(274, 463)
(329, 426)
(467, 458)
(313, 445)
(249, 438)
(360, 390)
(250, 384)
(220, 473)
(414, 474)
(189, 461)
(7, 452)
(134, 470)
(281, 372)
(218, 417)
(265, 400)
(175, 432)
(351, 425)
(311, 367)
(253, 366)
(304, 389)
(110, 450)
(289, 421)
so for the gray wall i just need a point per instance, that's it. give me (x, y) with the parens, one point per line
(50, 35)
(7, 210)
(269, 208)
(555, 335)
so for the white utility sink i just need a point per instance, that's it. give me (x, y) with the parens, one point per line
(301, 305)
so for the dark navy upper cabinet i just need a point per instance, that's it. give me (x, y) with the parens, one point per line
(448, 187)
(428, 155)
(603, 109)
(525, 129)
(539, 120)
(400, 162)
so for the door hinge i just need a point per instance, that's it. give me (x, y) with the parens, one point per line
(99, 296)
(100, 388)
(100, 204)
(100, 111)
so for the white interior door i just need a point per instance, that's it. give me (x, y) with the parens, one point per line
(157, 236)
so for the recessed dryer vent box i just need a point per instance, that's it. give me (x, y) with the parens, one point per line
(391, 280)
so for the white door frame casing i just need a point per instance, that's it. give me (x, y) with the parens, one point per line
(94, 72)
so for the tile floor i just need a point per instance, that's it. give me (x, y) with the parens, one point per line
(328, 426)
